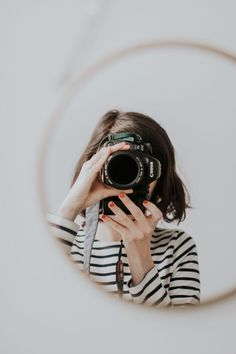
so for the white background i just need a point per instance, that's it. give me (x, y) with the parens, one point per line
(46, 306)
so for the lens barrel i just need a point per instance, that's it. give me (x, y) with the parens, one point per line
(123, 169)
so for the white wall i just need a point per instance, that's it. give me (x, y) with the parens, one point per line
(46, 307)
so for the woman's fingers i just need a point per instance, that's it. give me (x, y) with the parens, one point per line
(120, 216)
(115, 225)
(155, 213)
(142, 220)
(112, 192)
(108, 150)
(90, 163)
(139, 225)
(132, 207)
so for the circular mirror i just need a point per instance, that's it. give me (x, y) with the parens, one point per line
(188, 89)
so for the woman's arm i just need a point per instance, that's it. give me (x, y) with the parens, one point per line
(146, 285)
(86, 191)
(184, 285)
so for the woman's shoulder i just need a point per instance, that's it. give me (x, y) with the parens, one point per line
(166, 231)
(177, 235)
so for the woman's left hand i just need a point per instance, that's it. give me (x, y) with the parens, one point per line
(136, 234)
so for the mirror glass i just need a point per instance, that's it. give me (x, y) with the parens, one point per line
(191, 94)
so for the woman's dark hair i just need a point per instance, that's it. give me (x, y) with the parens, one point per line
(169, 187)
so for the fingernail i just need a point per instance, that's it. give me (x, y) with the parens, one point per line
(145, 201)
(111, 204)
(122, 195)
(102, 216)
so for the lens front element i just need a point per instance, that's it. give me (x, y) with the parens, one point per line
(124, 169)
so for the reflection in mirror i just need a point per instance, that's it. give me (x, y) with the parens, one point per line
(128, 167)
(190, 94)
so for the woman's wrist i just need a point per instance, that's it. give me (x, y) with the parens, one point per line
(139, 264)
(68, 212)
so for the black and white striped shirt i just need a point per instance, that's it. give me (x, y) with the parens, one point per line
(173, 281)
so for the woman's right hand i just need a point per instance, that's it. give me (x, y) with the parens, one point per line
(88, 188)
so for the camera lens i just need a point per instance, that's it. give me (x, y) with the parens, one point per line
(123, 169)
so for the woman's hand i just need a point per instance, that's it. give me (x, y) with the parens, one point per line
(88, 188)
(136, 234)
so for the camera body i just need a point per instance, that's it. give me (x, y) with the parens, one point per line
(135, 168)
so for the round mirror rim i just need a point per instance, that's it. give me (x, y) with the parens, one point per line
(75, 85)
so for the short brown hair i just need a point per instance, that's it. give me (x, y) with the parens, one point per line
(169, 188)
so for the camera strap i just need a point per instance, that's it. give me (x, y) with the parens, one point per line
(92, 217)
(127, 136)
(120, 271)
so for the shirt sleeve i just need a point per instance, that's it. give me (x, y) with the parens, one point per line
(150, 290)
(64, 230)
(184, 285)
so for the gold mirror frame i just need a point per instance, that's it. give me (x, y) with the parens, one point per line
(76, 85)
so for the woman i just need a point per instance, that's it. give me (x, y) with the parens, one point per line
(160, 265)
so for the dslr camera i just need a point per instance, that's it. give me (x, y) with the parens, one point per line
(135, 168)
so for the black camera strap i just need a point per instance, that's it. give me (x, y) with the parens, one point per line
(120, 271)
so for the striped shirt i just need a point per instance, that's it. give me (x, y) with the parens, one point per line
(174, 279)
